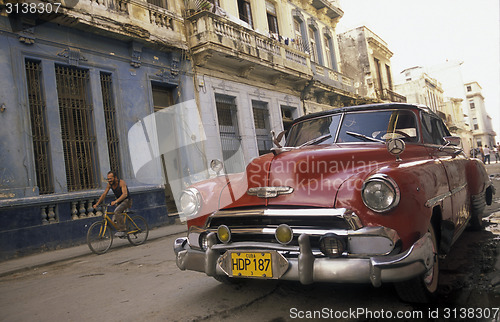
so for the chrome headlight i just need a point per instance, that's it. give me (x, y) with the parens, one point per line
(190, 202)
(380, 193)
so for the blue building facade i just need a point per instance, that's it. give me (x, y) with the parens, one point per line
(69, 92)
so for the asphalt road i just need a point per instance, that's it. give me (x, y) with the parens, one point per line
(144, 284)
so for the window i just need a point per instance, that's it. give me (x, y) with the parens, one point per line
(159, 3)
(389, 76)
(299, 40)
(245, 11)
(469, 88)
(272, 20)
(287, 115)
(433, 130)
(320, 130)
(111, 125)
(262, 128)
(378, 125)
(472, 105)
(162, 97)
(39, 131)
(77, 130)
(313, 45)
(379, 76)
(331, 60)
(328, 52)
(475, 124)
(229, 133)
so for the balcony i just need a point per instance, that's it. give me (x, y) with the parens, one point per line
(331, 8)
(333, 79)
(121, 19)
(393, 96)
(228, 46)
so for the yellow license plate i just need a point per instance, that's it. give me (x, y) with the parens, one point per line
(252, 264)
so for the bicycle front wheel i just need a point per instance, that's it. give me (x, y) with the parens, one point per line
(99, 238)
(137, 230)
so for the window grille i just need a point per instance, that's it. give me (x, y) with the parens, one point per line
(229, 133)
(39, 131)
(111, 125)
(77, 129)
(262, 129)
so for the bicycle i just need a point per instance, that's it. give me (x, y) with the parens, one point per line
(100, 236)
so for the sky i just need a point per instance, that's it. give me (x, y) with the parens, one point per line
(429, 32)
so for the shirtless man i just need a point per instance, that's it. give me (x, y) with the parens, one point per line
(123, 201)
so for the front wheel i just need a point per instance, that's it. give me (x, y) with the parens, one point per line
(421, 289)
(99, 238)
(137, 230)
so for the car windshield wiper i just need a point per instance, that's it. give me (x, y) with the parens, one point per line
(362, 136)
(317, 140)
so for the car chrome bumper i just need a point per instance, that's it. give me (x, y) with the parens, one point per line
(418, 259)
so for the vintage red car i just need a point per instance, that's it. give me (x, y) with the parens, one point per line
(363, 194)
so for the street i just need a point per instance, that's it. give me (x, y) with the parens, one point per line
(143, 283)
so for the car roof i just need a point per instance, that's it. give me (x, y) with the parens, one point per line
(366, 107)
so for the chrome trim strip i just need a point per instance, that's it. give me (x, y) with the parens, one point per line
(433, 201)
(254, 245)
(339, 212)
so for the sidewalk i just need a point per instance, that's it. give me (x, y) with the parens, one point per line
(51, 257)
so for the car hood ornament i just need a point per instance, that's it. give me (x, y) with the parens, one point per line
(269, 192)
(395, 147)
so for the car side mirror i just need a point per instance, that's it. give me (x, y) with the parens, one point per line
(453, 144)
(453, 140)
(216, 166)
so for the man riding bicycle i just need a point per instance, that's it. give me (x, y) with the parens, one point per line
(123, 201)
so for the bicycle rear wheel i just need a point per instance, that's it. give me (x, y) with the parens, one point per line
(99, 238)
(137, 230)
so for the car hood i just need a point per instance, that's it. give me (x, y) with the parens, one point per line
(308, 176)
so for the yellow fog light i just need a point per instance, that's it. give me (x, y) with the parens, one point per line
(224, 234)
(284, 234)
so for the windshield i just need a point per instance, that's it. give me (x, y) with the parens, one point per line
(322, 129)
(372, 126)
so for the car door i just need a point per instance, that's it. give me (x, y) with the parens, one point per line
(454, 163)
